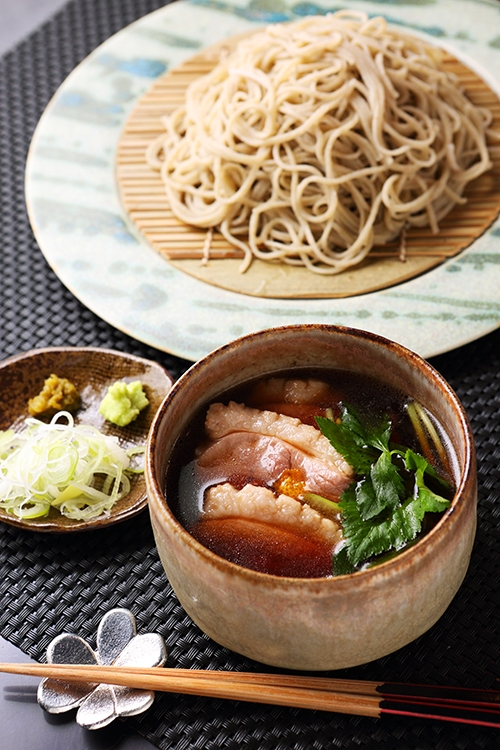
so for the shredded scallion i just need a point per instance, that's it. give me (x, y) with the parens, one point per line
(72, 467)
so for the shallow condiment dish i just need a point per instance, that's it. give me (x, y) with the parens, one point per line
(91, 370)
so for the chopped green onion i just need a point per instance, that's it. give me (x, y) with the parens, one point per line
(74, 468)
(421, 423)
(323, 505)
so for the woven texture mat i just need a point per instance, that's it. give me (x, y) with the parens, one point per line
(49, 585)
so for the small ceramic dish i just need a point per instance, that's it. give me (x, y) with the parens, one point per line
(91, 370)
(314, 623)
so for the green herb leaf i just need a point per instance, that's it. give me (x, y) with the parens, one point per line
(375, 435)
(379, 435)
(387, 482)
(433, 502)
(390, 530)
(366, 499)
(352, 422)
(415, 462)
(382, 490)
(430, 502)
(347, 444)
(342, 566)
(378, 515)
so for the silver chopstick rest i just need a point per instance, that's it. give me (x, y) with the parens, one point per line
(117, 644)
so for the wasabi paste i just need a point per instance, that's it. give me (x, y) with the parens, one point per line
(123, 402)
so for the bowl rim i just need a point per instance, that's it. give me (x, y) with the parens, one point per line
(36, 351)
(403, 559)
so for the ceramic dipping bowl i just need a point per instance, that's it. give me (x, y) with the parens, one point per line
(316, 623)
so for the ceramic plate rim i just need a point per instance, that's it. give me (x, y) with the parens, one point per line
(416, 313)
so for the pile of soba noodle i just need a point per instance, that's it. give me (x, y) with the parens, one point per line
(315, 140)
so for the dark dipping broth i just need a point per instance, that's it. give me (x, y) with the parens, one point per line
(245, 460)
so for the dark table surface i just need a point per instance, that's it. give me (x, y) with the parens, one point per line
(25, 726)
(19, 19)
(51, 584)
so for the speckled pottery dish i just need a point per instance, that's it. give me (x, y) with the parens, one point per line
(315, 623)
(92, 370)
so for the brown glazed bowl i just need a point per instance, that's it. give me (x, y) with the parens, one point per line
(318, 623)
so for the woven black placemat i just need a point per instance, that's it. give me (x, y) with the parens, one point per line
(51, 584)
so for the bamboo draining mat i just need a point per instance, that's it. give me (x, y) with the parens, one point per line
(144, 199)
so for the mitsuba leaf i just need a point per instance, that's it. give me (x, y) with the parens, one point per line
(414, 461)
(377, 514)
(380, 434)
(347, 443)
(429, 502)
(352, 422)
(366, 499)
(390, 530)
(358, 443)
(417, 463)
(374, 435)
(342, 566)
(387, 482)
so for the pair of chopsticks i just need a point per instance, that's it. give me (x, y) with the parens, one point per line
(361, 698)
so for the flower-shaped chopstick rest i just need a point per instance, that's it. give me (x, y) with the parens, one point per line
(118, 644)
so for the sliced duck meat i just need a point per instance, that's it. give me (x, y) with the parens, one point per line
(265, 548)
(260, 503)
(248, 457)
(223, 420)
(245, 457)
(291, 391)
(276, 535)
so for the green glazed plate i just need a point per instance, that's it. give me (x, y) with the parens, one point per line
(96, 251)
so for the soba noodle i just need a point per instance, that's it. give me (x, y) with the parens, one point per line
(315, 140)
